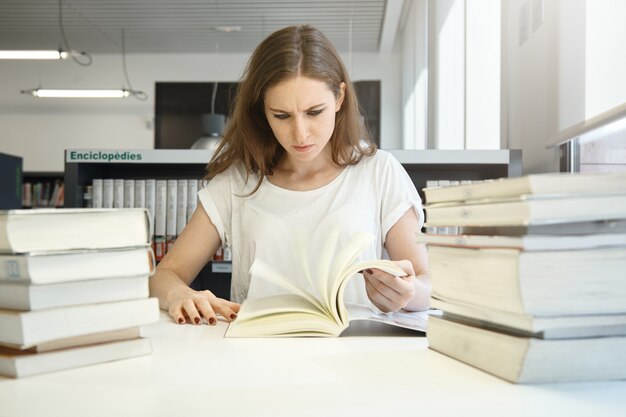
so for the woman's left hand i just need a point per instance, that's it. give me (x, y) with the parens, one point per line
(389, 292)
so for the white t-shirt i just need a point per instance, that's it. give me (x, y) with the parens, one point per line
(277, 225)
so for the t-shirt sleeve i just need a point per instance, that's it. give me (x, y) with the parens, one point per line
(397, 192)
(216, 199)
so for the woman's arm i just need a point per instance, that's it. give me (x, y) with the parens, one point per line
(192, 250)
(411, 292)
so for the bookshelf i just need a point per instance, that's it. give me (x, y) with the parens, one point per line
(41, 189)
(83, 165)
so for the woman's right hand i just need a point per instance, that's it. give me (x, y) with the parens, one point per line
(189, 306)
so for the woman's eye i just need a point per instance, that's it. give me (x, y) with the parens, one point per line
(281, 116)
(315, 112)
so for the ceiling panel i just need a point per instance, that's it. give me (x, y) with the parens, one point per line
(158, 26)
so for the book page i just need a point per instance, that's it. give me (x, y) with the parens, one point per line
(282, 315)
(414, 320)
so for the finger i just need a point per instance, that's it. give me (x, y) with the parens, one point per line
(226, 309)
(206, 310)
(385, 283)
(192, 312)
(381, 288)
(406, 265)
(177, 314)
(379, 299)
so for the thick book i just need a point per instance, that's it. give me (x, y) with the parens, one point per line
(528, 211)
(554, 184)
(74, 341)
(543, 327)
(526, 243)
(316, 311)
(522, 359)
(63, 229)
(588, 281)
(19, 296)
(557, 229)
(75, 265)
(28, 328)
(25, 363)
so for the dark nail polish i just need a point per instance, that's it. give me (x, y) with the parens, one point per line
(369, 271)
(181, 320)
(233, 316)
(212, 321)
(197, 320)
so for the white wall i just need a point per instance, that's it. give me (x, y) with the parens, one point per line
(415, 77)
(532, 86)
(40, 129)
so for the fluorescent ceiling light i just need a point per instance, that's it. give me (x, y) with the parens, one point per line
(73, 93)
(51, 54)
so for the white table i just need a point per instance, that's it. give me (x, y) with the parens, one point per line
(194, 371)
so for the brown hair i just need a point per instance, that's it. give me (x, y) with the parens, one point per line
(289, 52)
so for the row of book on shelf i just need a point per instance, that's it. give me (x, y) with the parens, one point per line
(533, 287)
(42, 194)
(170, 204)
(73, 288)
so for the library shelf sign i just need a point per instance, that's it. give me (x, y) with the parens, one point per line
(139, 156)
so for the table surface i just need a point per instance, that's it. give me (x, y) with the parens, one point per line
(372, 370)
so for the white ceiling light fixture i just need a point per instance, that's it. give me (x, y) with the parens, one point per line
(76, 93)
(43, 54)
(81, 58)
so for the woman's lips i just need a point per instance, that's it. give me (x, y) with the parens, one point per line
(303, 148)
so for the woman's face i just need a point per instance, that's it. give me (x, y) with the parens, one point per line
(301, 112)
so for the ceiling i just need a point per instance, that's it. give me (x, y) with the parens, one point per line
(187, 26)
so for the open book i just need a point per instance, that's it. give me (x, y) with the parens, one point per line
(318, 310)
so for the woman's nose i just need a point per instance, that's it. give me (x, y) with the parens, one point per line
(300, 131)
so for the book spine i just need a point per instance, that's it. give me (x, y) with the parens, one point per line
(107, 193)
(129, 193)
(14, 269)
(181, 209)
(192, 197)
(140, 193)
(97, 193)
(160, 219)
(172, 205)
(151, 203)
(118, 193)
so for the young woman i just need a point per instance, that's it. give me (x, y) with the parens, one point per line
(296, 164)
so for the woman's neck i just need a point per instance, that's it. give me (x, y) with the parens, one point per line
(303, 176)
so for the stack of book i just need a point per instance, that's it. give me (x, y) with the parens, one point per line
(533, 288)
(73, 288)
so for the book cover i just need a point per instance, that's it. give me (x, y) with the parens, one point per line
(28, 328)
(54, 267)
(522, 212)
(23, 364)
(526, 359)
(63, 229)
(553, 184)
(18, 296)
(542, 327)
(526, 243)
